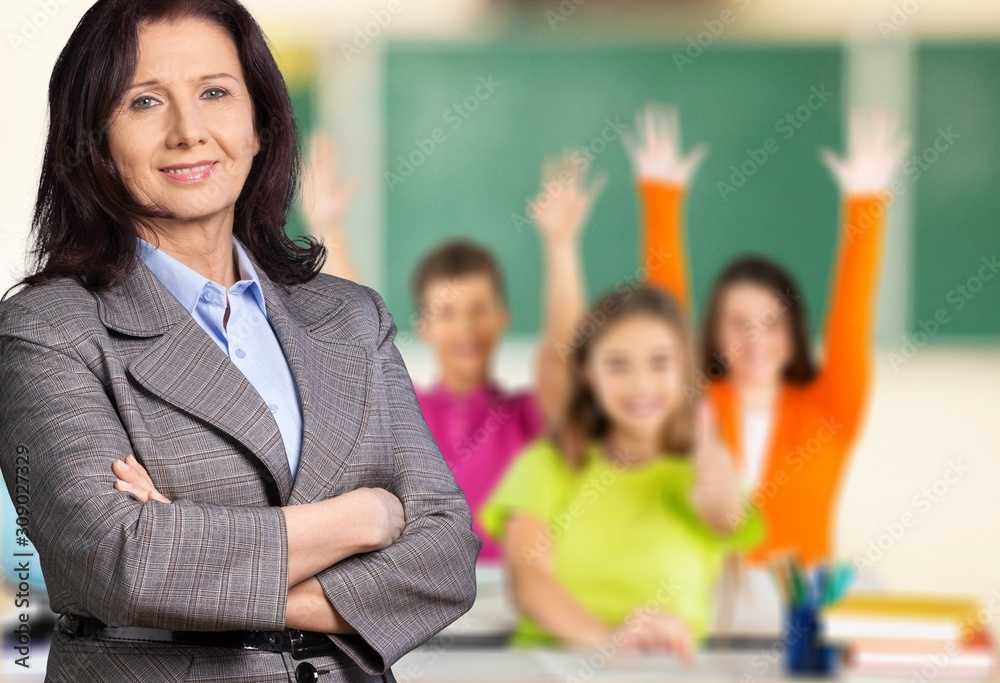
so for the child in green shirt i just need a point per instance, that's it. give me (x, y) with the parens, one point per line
(615, 527)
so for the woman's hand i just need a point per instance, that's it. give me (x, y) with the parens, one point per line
(133, 477)
(875, 149)
(655, 147)
(382, 515)
(562, 206)
(716, 493)
(658, 632)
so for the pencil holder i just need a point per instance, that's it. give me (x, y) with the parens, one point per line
(805, 653)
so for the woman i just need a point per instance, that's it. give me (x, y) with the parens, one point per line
(315, 532)
(789, 424)
(616, 527)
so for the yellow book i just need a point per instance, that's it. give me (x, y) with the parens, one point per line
(881, 615)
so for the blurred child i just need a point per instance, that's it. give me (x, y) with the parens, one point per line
(615, 527)
(459, 293)
(789, 424)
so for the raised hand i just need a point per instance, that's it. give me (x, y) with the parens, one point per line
(133, 477)
(325, 196)
(655, 147)
(875, 149)
(716, 493)
(562, 206)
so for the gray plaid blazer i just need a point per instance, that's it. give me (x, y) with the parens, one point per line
(86, 378)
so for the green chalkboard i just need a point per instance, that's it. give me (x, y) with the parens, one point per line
(956, 282)
(467, 127)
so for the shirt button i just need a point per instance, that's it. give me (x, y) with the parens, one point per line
(273, 407)
(240, 353)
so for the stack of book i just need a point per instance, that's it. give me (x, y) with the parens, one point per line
(916, 637)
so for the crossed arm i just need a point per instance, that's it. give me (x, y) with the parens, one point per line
(319, 534)
(189, 565)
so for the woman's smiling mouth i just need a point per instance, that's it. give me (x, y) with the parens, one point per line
(190, 173)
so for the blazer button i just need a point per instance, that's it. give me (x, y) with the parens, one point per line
(306, 673)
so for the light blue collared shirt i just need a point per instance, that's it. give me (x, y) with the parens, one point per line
(247, 338)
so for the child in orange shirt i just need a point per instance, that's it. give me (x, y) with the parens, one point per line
(789, 423)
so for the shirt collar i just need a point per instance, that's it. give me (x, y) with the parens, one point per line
(186, 284)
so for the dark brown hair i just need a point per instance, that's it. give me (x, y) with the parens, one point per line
(85, 220)
(583, 420)
(455, 258)
(762, 272)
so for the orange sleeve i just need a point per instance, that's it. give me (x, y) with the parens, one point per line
(842, 386)
(662, 244)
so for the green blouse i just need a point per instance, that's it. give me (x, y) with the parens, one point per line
(621, 537)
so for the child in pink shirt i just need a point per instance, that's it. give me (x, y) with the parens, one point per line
(459, 294)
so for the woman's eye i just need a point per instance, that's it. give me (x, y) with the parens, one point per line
(144, 102)
(215, 93)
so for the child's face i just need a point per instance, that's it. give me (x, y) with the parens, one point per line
(463, 323)
(635, 372)
(754, 333)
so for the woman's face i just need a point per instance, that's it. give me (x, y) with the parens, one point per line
(754, 334)
(635, 372)
(183, 137)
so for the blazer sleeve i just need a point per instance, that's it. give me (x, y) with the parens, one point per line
(184, 566)
(398, 597)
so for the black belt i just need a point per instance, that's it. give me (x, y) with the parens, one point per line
(300, 643)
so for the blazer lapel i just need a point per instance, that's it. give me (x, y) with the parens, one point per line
(333, 377)
(182, 365)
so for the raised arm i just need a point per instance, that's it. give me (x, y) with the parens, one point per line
(324, 202)
(662, 174)
(560, 211)
(875, 150)
(399, 597)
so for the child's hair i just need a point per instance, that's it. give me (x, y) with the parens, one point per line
(760, 271)
(452, 259)
(583, 420)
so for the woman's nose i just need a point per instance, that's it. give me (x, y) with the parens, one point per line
(187, 128)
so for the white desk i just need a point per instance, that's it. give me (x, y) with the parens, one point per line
(449, 665)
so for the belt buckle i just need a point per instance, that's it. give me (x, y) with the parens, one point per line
(301, 650)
